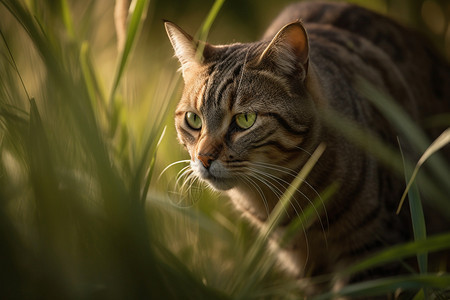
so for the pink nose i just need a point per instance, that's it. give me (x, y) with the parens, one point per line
(206, 160)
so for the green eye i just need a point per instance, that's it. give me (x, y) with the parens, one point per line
(193, 120)
(245, 120)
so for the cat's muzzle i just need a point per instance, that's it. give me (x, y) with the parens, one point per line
(215, 174)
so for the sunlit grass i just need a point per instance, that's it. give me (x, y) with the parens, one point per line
(83, 213)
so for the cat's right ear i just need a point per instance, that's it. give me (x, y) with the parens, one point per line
(288, 52)
(186, 48)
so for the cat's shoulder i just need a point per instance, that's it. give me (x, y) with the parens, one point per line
(307, 12)
(345, 16)
(338, 18)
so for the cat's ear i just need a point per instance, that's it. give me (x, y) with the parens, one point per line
(288, 52)
(186, 48)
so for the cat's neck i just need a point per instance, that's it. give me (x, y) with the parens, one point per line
(254, 199)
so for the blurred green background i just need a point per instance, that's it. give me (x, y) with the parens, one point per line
(84, 212)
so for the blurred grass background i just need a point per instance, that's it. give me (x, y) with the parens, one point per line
(83, 214)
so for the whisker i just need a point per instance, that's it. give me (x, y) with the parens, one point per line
(275, 190)
(276, 168)
(279, 194)
(184, 191)
(307, 198)
(243, 69)
(292, 173)
(190, 186)
(304, 150)
(183, 172)
(287, 171)
(260, 192)
(172, 164)
(189, 174)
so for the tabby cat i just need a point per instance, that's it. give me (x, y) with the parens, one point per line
(250, 117)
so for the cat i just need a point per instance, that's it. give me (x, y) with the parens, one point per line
(250, 117)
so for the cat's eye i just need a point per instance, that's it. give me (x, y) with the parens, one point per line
(193, 120)
(246, 120)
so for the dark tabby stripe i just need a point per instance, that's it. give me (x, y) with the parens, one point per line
(286, 125)
(264, 137)
(189, 137)
(277, 145)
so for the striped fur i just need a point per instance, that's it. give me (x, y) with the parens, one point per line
(287, 78)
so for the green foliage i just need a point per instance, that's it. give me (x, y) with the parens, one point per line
(388, 285)
(82, 212)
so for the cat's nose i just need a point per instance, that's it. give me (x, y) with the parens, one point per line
(206, 160)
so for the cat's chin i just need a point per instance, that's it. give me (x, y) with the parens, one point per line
(220, 184)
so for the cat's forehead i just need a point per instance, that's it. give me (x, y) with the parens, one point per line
(200, 96)
(224, 74)
(216, 77)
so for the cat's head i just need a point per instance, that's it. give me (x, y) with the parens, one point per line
(244, 108)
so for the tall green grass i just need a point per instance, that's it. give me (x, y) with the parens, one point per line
(73, 197)
(82, 214)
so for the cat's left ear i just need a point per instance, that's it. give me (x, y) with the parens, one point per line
(288, 52)
(186, 49)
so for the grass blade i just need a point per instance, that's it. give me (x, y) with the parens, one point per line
(276, 215)
(67, 18)
(148, 176)
(140, 8)
(204, 30)
(13, 62)
(310, 213)
(420, 295)
(389, 285)
(405, 125)
(91, 79)
(206, 26)
(395, 253)
(440, 142)
(417, 218)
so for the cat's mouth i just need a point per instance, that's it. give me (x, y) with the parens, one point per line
(217, 176)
